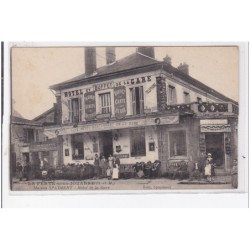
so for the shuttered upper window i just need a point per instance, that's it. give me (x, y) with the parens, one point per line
(137, 98)
(75, 109)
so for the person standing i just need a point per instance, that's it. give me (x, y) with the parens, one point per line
(96, 166)
(115, 173)
(234, 174)
(209, 168)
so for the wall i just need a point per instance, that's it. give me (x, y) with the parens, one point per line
(150, 101)
(123, 141)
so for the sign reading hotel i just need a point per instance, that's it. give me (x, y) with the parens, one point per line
(120, 102)
(90, 106)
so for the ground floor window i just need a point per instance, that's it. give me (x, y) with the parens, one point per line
(77, 146)
(138, 145)
(178, 146)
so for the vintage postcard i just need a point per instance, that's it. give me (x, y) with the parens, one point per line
(100, 118)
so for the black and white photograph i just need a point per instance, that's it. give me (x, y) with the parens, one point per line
(100, 118)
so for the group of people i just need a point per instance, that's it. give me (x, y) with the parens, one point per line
(106, 168)
(23, 170)
(206, 168)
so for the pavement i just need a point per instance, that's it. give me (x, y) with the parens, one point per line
(121, 184)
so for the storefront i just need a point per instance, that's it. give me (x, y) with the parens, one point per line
(44, 152)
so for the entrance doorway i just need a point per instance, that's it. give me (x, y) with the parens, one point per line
(107, 139)
(26, 157)
(215, 146)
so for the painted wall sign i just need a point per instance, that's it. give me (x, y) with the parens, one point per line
(121, 155)
(216, 128)
(141, 122)
(43, 147)
(73, 93)
(120, 102)
(213, 121)
(110, 85)
(161, 93)
(90, 106)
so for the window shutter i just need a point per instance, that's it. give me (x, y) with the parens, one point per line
(70, 111)
(133, 101)
(141, 97)
(80, 109)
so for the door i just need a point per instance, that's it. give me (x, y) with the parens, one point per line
(215, 146)
(107, 139)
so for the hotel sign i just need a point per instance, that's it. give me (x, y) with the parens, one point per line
(100, 126)
(120, 102)
(90, 106)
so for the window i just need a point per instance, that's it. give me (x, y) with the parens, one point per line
(29, 135)
(186, 97)
(178, 145)
(105, 103)
(171, 94)
(75, 110)
(137, 98)
(138, 146)
(77, 146)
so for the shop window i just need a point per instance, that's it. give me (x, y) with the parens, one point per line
(137, 98)
(171, 94)
(186, 97)
(138, 146)
(77, 147)
(105, 103)
(178, 145)
(75, 110)
(29, 135)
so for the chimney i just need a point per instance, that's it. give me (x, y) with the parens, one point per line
(183, 67)
(167, 59)
(90, 60)
(110, 55)
(147, 51)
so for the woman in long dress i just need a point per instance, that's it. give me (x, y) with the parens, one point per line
(208, 167)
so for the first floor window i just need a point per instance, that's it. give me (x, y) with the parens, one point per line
(75, 109)
(138, 145)
(77, 146)
(29, 135)
(186, 97)
(137, 98)
(105, 103)
(177, 143)
(171, 95)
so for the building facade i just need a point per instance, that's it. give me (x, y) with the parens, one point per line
(29, 144)
(141, 110)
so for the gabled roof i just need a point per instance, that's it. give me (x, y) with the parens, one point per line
(51, 110)
(23, 121)
(136, 60)
(139, 63)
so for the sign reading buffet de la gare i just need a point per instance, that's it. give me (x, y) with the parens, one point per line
(90, 106)
(109, 85)
(120, 102)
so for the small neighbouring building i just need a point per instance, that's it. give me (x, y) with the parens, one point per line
(141, 109)
(30, 145)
